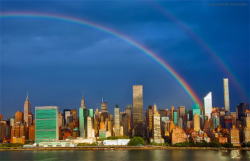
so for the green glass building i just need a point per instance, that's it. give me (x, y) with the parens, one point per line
(196, 109)
(83, 114)
(46, 125)
(175, 117)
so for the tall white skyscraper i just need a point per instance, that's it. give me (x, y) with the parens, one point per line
(226, 95)
(208, 104)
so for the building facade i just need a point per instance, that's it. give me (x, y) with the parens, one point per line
(138, 110)
(46, 123)
(208, 105)
(226, 95)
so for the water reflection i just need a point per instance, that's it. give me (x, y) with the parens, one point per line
(124, 155)
(235, 154)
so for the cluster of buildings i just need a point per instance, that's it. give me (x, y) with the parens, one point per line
(175, 125)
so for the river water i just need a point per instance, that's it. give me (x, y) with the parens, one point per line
(126, 155)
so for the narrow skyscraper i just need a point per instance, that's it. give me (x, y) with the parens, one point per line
(26, 110)
(138, 110)
(226, 95)
(117, 120)
(208, 105)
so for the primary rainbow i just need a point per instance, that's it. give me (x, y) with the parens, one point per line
(144, 50)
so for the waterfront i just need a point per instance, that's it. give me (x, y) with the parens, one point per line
(123, 155)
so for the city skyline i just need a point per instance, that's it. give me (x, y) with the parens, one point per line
(55, 59)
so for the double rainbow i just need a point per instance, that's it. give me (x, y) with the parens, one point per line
(119, 35)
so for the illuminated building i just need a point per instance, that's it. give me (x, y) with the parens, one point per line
(196, 122)
(226, 95)
(138, 110)
(30, 119)
(46, 125)
(19, 116)
(247, 130)
(178, 135)
(149, 121)
(157, 128)
(60, 120)
(74, 114)
(172, 113)
(208, 105)
(18, 130)
(181, 111)
(1, 117)
(117, 120)
(32, 132)
(235, 136)
(89, 127)
(26, 110)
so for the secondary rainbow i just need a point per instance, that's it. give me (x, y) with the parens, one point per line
(219, 61)
(144, 50)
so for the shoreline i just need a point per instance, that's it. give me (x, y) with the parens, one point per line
(121, 148)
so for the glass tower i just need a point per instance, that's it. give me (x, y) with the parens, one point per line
(208, 105)
(46, 126)
(138, 110)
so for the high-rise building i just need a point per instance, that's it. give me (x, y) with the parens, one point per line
(175, 114)
(181, 111)
(1, 117)
(216, 121)
(30, 119)
(19, 116)
(46, 123)
(196, 109)
(196, 122)
(26, 110)
(89, 127)
(208, 105)
(104, 107)
(117, 120)
(138, 110)
(235, 136)
(83, 114)
(157, 128)
(172, 113)
(74, 114)
(226, 94)
(241, 110)
(67, 114)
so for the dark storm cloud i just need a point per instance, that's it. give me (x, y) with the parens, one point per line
(57, 61)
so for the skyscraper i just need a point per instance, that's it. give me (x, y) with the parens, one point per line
(226, 95)
(196, 122)
(83, 114)
(138, 110)
(208, 105)
(104, 107)
(117, 120)
(46, 124)
(241, 109)
(157, 128)
(26, 109)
